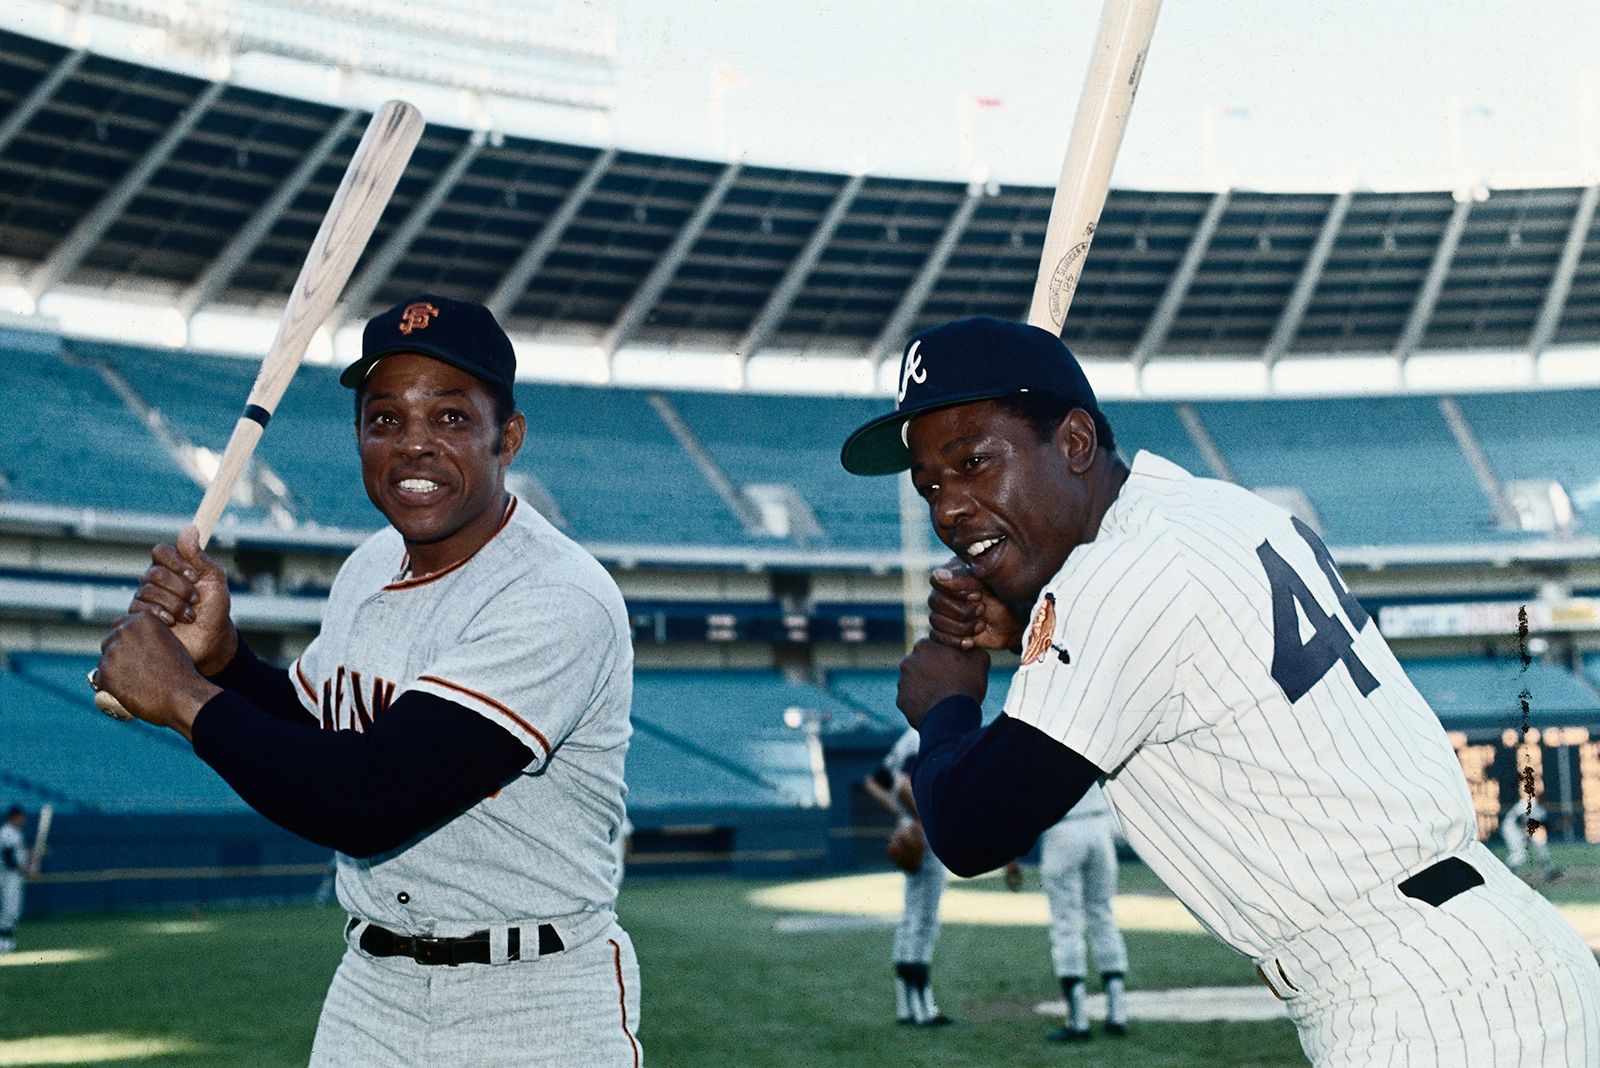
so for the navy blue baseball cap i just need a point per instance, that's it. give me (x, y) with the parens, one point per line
(459, 332)
(969, 360)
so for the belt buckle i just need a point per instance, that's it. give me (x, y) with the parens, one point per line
(426, 950)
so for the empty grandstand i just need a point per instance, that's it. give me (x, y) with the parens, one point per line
(764, 584)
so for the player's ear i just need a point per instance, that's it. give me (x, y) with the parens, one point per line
(1077, 439)
(511, 438)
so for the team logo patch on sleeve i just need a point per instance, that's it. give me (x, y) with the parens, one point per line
(1040, 631)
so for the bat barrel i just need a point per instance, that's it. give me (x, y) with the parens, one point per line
(1126, 27)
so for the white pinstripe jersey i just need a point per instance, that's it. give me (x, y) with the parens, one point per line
(1266, 754)
(531, 633)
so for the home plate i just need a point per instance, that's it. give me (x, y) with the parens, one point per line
(1185, 1005)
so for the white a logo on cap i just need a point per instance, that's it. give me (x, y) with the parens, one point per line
(911, 371)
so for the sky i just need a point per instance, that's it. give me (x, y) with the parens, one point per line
(1253, 93)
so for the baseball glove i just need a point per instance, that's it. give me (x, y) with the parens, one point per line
(906, 848)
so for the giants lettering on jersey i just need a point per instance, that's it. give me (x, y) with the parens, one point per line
(351, 703)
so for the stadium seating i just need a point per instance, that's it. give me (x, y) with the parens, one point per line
(1377, 469)
(55, 740)
(703, 739)
(1481, 691)
(1544, 434)
(736, 719)
(71, 441)
(1154, 426)
(312, 443)
(795, 441)
(616, 471)
(875, 692)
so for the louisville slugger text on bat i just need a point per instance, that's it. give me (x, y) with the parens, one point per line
(1103, 109)
(352, 215)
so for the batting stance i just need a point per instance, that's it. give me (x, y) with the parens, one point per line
(1194, 647)
(917, 933)
(1078, 869)
(456, 731)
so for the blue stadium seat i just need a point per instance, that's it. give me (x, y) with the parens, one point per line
(665, 773)
(875, 691)
(616, 470)
(1477, 690)
(1543, 434)
(310, 444)
(59, 742)
(1150, 425)
(1377, 469)
(734, 718)
(795, 441)
(78, 444)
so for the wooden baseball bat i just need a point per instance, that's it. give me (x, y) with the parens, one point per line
(352, 215)
(1103, 109)
(41, 838)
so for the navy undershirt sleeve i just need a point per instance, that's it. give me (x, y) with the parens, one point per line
(269, 688)
(424, 761)
(986, 793)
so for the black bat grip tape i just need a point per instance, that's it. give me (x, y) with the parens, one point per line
(257, 413)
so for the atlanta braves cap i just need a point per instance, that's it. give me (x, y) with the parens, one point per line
(969, 360)
(459, 332)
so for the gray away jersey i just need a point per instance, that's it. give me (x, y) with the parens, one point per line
(1266, 754)
(530, 633)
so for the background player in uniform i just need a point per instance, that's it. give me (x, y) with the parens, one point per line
(917, 933)
(13, 876)
(1518, 834)
(456, 731)
(1195, 647)
(1078, 869)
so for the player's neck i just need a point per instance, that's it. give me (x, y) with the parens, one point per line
(426, 559)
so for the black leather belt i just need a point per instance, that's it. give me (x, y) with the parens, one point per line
(1440, 882)
(470, 949)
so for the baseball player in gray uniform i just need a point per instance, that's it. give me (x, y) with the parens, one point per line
(917, 933)
(1078, 868)
(13, 876)
(1194, 647)
(456, 731)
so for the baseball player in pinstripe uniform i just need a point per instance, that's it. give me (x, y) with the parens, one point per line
(456, 731)
(918, 930)
(1194, 647)
(1078, 869)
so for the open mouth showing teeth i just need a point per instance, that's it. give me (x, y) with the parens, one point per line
(978, 548)
(418, 485)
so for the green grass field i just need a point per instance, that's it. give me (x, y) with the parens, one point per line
(722, 986)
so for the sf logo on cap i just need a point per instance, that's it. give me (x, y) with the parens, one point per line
(417, 316)
(911, 371)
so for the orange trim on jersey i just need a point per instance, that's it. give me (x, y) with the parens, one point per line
(622, 999)
(492, 703)
(423, 580)
(305, 683)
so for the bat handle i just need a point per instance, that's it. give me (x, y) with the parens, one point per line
(106, 703)
(241, 444)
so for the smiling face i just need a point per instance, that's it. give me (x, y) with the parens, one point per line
(434, 457)
(1010, 505)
